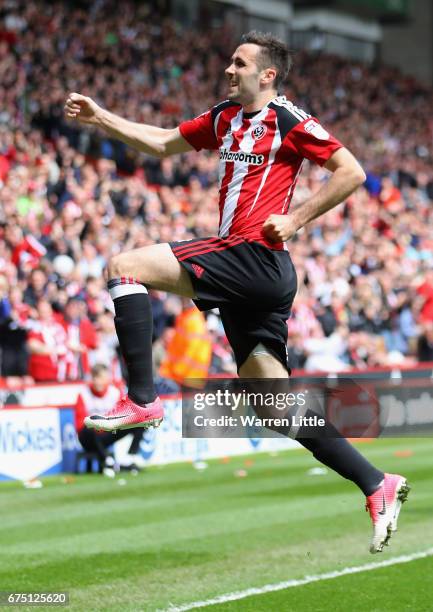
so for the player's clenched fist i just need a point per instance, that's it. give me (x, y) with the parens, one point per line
(279, 228)
(82, 108)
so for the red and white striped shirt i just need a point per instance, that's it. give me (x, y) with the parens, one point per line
(261, 155)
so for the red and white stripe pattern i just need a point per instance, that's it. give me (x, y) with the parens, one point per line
(125, 285)
(260, 159)
(276, 143)
(291, 191)
(232, 174)
(249, 192)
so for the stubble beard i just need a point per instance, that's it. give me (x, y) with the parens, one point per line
(241, 98)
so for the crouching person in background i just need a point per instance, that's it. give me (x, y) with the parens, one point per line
(98, 397)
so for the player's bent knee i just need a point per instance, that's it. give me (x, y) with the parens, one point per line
(261, 363)
(114, 267)
(119, 265)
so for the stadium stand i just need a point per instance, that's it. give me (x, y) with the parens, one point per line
(69, 197)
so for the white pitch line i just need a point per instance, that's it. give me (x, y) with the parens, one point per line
(279, 586)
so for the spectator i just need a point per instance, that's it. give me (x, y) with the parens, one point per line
(47, 346)
(81, 337)
(425, 291)
(36, 288)
(13, 332)
(328, 354)
(106, 351)
(425, 343)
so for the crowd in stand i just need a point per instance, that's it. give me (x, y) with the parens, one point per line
(70, 197)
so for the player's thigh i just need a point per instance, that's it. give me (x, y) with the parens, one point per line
(262, 366)
(258, 340)
(155, 266)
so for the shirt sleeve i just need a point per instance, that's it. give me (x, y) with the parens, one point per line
(310, 140)
(199, 132)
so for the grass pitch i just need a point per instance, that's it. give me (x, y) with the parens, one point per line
(174, 535)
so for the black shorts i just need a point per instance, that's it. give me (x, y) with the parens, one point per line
(253, 287)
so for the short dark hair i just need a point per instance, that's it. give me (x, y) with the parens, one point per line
(99, 368)
(274, 52)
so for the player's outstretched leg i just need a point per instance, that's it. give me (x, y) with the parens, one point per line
(128, 274)
(384, 493)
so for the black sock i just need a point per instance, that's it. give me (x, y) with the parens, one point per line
(339, 455)
(334, 451)
(134, 324)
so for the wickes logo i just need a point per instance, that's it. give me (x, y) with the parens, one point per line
(240, 156)
(25, 438)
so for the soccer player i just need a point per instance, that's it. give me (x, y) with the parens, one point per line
(246, 270)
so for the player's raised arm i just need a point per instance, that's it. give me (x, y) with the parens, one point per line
(149, 139)
(347, 176)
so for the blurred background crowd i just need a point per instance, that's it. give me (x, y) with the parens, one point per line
(70, 197)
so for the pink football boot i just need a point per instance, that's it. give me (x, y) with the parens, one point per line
(384, 506)
(126, 415)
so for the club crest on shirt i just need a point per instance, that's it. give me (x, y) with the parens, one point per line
(259, 131)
